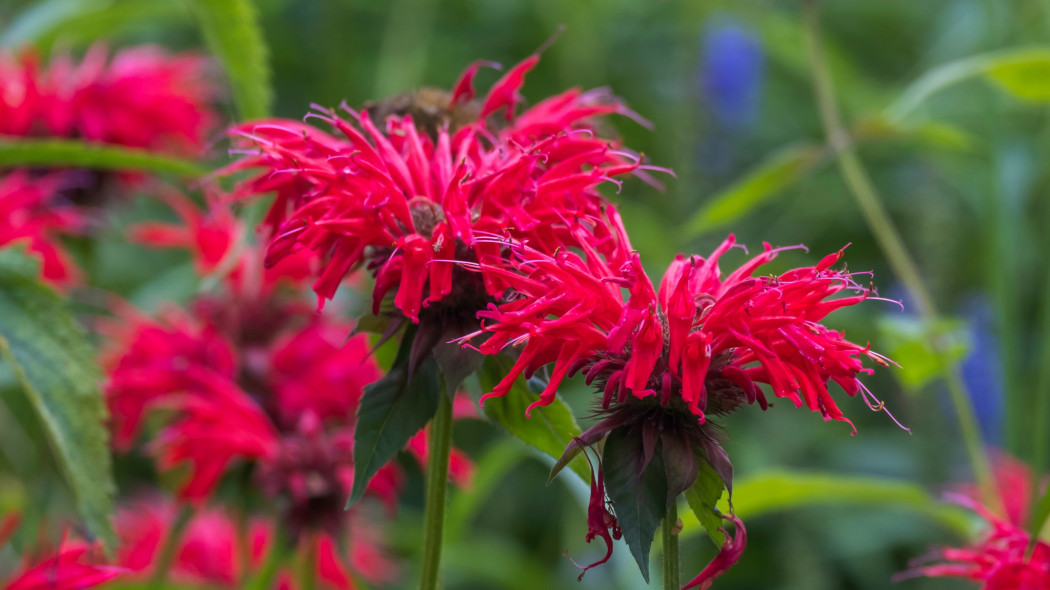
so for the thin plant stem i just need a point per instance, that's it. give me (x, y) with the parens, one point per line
(889, 240)
(670, 540)
(308, 563)
(438, 450)
(170, 548)
(1042, 428)
(275, 557)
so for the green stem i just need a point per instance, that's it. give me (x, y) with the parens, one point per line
(670, 531)
(439, 446)
(170, 548)
(1042, 426)
(892, 245)
(1039, 517)
(308, 564)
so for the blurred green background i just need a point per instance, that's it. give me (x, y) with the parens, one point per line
(728, 87)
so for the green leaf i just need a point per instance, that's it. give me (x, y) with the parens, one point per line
(392, 410)
(639, 496)
(56, 366)
(777, 491)
(928, 133)
(760, 184)
(80, 154)
(231, 28)
(81, 22)
(908, 340)
(550, 429)
(1024, 73)
(703, 499)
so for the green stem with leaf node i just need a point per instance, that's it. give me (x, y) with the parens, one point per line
(892, 245)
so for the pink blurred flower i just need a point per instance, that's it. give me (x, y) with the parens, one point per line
(212, 548)
(141, 97)
(71, 567)
(999, 559)
(320, 371)
(28, 217)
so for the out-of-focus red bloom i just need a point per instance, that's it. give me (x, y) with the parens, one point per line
(70, 568)
(142, 97)
(704, 339)
(28, 216)
(408, 206)
(212, 235)
(209, 234)
(217, 424)
(211, 549)
(999, 559)
(320, 371)
(150, 359)
(247, 374)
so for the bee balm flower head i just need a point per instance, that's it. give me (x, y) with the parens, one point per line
(406, 200)
(665, 358)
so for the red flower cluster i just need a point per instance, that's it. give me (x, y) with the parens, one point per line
(248, 373)
(409, 201)
(212, 549)
(28, 217)
(699, 344)
(142, 97)
(69, 568)
(1000, 559)
(703, 339)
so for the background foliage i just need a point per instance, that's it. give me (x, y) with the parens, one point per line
(952, 126)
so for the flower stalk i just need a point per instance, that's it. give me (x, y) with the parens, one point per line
(308, 565)
(436, 490)
(670, 532)
(892, 245)
(170, 548)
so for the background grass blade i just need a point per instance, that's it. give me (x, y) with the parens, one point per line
(231, 29)
(779, 491)
(1024, 73)
(761, 183)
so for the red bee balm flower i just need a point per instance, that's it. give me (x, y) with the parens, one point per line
(999, 559)
(703, 339)
(664, 359)
(408, 201)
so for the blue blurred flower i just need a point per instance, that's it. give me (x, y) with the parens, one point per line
(731, 71)
(982, 370)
